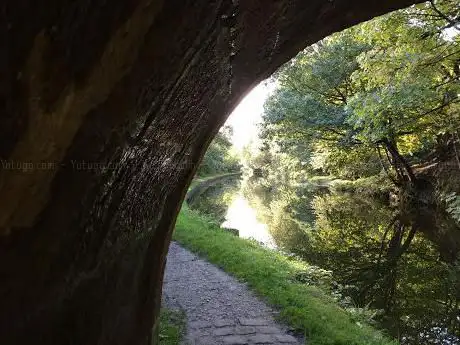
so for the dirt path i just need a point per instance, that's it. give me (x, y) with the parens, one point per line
(220, 310)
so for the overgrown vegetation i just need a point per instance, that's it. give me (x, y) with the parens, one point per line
(219, 157)
(381, 96)
(172, 327)
(452, 201)
(276, 277)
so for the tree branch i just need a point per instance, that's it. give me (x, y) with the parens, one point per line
(454, 21)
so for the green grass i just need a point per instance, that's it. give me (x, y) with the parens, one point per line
(268, 273)
(172, 327)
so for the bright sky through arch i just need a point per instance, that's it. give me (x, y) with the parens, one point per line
(248, 114)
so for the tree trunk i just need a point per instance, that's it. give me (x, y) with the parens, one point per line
(454, 143)
(387, 171)
(399, 162)
(106, 110)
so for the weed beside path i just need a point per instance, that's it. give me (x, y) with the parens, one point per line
(172, 327)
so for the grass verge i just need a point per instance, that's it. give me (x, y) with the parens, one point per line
(172, 327)
(270, 274)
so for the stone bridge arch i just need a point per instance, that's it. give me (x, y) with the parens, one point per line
(106, 110)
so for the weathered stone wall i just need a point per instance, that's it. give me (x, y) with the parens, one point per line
(105, 109)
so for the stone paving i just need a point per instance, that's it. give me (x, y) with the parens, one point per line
(220, 310)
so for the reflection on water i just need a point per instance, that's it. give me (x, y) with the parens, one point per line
(214, 200)
(401, 263)
(240, 215)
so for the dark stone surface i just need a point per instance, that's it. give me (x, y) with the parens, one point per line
(138, 87)
(210, 297)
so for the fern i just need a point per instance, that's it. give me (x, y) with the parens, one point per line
(452, 201)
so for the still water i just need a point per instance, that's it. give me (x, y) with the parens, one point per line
(398, 264)
(241, 216)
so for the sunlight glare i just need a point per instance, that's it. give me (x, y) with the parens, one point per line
(248, 114)
(241, 216)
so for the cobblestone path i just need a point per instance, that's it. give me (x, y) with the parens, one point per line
(220, 310)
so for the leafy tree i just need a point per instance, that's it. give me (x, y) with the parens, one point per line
(388, 88)
(219, 157)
